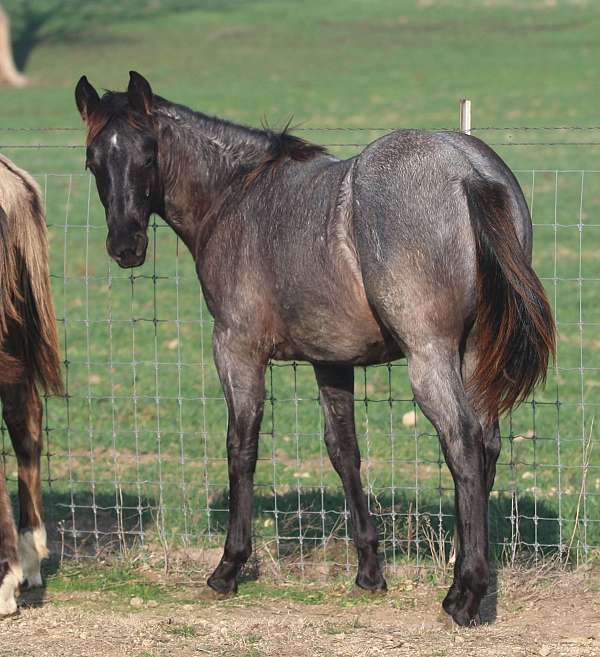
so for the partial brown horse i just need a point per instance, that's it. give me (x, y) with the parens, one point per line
(29, 356)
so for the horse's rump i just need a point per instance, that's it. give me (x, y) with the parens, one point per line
(444, 238)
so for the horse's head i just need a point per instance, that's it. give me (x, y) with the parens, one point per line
(122, 155)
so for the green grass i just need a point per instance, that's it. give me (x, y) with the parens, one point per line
(116, 583)
(145, 419)
(122, 581)
(183, 631)
(337, 591)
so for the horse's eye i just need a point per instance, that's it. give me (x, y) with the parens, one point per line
(149, 161)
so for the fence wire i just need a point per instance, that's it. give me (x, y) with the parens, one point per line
(135, 451)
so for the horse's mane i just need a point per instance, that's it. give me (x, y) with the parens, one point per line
(280, 145)
(283, 146)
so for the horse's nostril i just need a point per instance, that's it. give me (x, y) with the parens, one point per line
(140, 244)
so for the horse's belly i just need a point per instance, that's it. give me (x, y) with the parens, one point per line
(352, 339)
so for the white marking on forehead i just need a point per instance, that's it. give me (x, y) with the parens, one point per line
(113, 140)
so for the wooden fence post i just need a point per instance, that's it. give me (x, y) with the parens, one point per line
(465, 116)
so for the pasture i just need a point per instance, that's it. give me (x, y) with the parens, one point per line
(135, 457)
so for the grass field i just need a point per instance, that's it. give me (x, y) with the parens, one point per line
(143, 425)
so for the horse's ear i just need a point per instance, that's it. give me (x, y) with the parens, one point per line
(139, 93)
(86, 97)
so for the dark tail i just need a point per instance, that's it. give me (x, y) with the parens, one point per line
(28, 335)
(514, 326)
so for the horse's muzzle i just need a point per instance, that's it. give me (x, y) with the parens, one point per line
(128, 254)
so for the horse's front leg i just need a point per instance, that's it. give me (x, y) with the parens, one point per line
(10, 571)
(336, 385)
(22, 412)
(241, 368)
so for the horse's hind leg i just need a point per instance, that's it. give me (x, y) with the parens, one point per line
(491, 432)
(336, 384)
(10, 572)
(434, 369)
(22, 412)
(491, 451)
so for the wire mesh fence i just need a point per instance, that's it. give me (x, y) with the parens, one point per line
(135, 450)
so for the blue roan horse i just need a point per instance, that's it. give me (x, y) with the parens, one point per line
(419, 247)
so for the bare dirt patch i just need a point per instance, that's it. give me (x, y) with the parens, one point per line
(559, 615)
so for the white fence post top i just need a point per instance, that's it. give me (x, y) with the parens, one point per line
(465, 116)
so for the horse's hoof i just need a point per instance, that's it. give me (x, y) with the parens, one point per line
(451, 600)
(222, 586)
(34, 583)
(9, 589)
(376, 585)
(464, 619)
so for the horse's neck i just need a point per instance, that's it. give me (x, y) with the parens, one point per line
(197, 168)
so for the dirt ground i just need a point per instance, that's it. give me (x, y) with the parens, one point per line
(548, 616)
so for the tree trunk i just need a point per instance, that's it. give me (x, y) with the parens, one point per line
(8, 71)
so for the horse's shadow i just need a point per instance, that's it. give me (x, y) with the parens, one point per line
(317, 516)
(33, 598)
(105, 529)
(489, 605)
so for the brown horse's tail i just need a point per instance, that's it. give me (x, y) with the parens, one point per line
(514, 327)
(28, 335)
(11, 368)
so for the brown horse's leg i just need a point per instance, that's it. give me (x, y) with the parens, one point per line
(439, 391)
(336, 384)
(242, 373)
(22, 412)
(10, 571)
